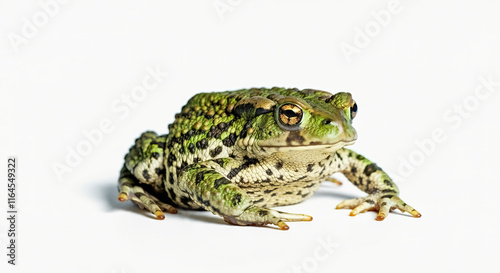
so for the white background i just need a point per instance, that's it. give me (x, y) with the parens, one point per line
(409, 77)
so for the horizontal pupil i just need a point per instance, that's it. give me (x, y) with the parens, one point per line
(290, 113)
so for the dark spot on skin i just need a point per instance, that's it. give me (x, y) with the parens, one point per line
(305, 195)
(221, 181)
(388, 191)
(161, 145)
(273, 195)
(371, 202)
(196, 160)
(222, 126)
(216, 151)
(315, 143)
(199, 177)
(288, 192)
(263, 213)
(146, 175)
(309, 186)
(267, 180)
(229, 140)
(247, 163)
(191, 148)
(269, 172)
(155, 155)
(172, 194)
(322, 170)
(388, 183)
(360, 180)
(215, 131)
(383, 204)
(236, 200)
(348, 155)
(281, 177)
(219, 161)
(354, 170)
(269, 191)
(371, 169)
(260, 111)
(279, 165)
(247, 126)
(202, 144)
(185, 200)
(181, 150)
(171, 178)
(387, 196)
(300, 178)
(243, 108)
(294, 136)
(158, 171)
(328, 100)
(258, 201)
(310, 167)
(183, 165)
(171, 159)
(360, 157)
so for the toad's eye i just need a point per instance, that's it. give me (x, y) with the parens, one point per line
(290, 116)
(354, 110)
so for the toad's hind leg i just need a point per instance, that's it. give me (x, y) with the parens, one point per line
(130, 188)
(217, 194)
(142, 176)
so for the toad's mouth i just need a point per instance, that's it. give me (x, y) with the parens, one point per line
(311, 146)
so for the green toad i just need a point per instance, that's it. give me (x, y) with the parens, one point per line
(239, 153)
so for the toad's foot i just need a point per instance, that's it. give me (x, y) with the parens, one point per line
(255, 216)
(378, 202)
(146, 201)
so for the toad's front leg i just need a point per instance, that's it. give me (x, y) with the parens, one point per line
(367, 176)
(217, 194)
